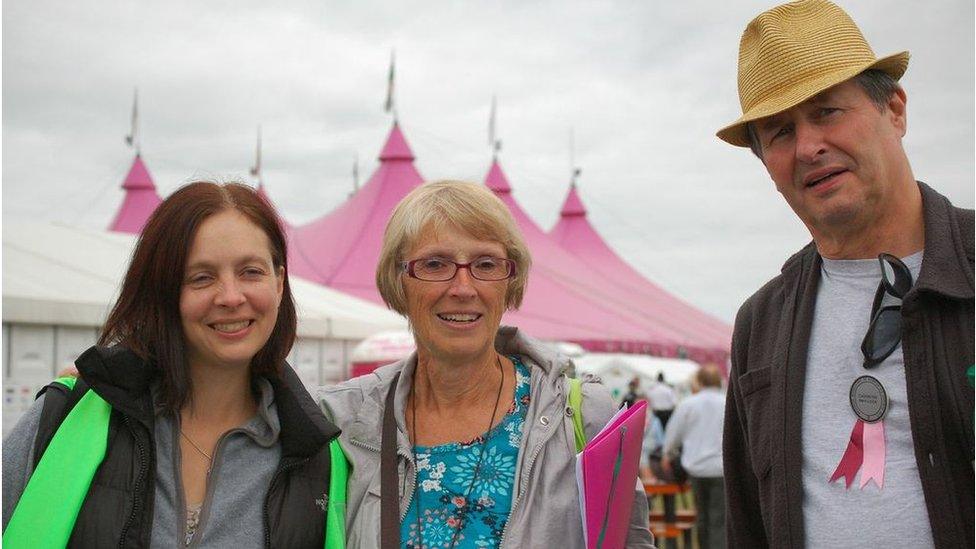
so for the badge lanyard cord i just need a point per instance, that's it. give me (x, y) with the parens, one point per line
(477, 468)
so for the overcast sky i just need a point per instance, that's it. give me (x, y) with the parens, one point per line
(644, 85)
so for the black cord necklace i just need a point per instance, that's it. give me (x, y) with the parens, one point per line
(477, 467)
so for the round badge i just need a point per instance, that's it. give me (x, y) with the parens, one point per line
(869, 399)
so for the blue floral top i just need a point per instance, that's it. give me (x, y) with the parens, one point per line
(444, 473)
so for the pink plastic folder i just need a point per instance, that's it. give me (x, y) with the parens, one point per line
(606, 473)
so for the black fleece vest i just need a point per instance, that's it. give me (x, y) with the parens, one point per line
(118, 509)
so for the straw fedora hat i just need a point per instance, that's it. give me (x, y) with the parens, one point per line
(795, 51)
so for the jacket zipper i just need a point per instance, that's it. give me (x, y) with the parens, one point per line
(267, 513)
(523, 486)
(140, 480)
(413, 486)
(522, 489)
(208, 492)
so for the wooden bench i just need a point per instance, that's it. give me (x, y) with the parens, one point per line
(670, 524)
(680, 516)
(673, 531)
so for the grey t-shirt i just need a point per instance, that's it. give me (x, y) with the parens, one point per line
(836, 516)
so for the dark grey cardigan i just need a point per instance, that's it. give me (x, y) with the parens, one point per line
(762, 443)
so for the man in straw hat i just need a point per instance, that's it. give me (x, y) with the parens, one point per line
(850, 416)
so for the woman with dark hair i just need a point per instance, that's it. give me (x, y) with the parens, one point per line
(211, 438)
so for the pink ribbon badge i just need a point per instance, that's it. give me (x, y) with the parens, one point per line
(867, 448)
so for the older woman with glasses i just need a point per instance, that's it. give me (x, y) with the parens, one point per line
(469, 441)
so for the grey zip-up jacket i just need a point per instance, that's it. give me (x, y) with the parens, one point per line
(545, 508)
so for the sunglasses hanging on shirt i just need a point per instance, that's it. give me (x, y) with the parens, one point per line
(884, 332)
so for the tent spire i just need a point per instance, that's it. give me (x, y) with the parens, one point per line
(573, 169)
(390, 105)
(493, 143)
(139, 202)
(256, 168)
(396, 147)
(132, 139)
(572, 206)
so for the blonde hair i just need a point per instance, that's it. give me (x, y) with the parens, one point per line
(708, 376)
(468, 207)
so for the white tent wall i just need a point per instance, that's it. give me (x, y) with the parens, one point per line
(321, 361)
(33, 354)
(59, 283)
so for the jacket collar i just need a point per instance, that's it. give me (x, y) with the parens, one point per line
(123, 379)
(945, 269)
(304, 428)
(508, 341)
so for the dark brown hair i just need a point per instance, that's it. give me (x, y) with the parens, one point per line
(146, 317)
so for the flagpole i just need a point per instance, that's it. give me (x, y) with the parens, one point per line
(390, 105)
(573, 170)
(132, 139)
(256, 169)
(495, 145)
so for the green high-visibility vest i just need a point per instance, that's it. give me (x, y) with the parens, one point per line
(46, 512)
(575, 399)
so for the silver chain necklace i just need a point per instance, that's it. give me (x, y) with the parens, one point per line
(198, 449)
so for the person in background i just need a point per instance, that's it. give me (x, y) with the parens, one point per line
(652, 444)
(663, 399)
(213, 441)
(633, 392)
(695, 430)
(480, 442)
(852, 360)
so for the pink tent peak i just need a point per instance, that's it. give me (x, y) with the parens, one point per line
(138, 176)
(496, 180)
(396, 147)
(140, 200)
(561, 287)
(574, 233)
(573, 206)
(341, 249)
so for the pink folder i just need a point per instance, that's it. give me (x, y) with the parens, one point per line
(606, 473)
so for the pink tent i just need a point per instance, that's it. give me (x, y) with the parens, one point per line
(661, 333)
(140, 200)
(710, 337)
(341, 250)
